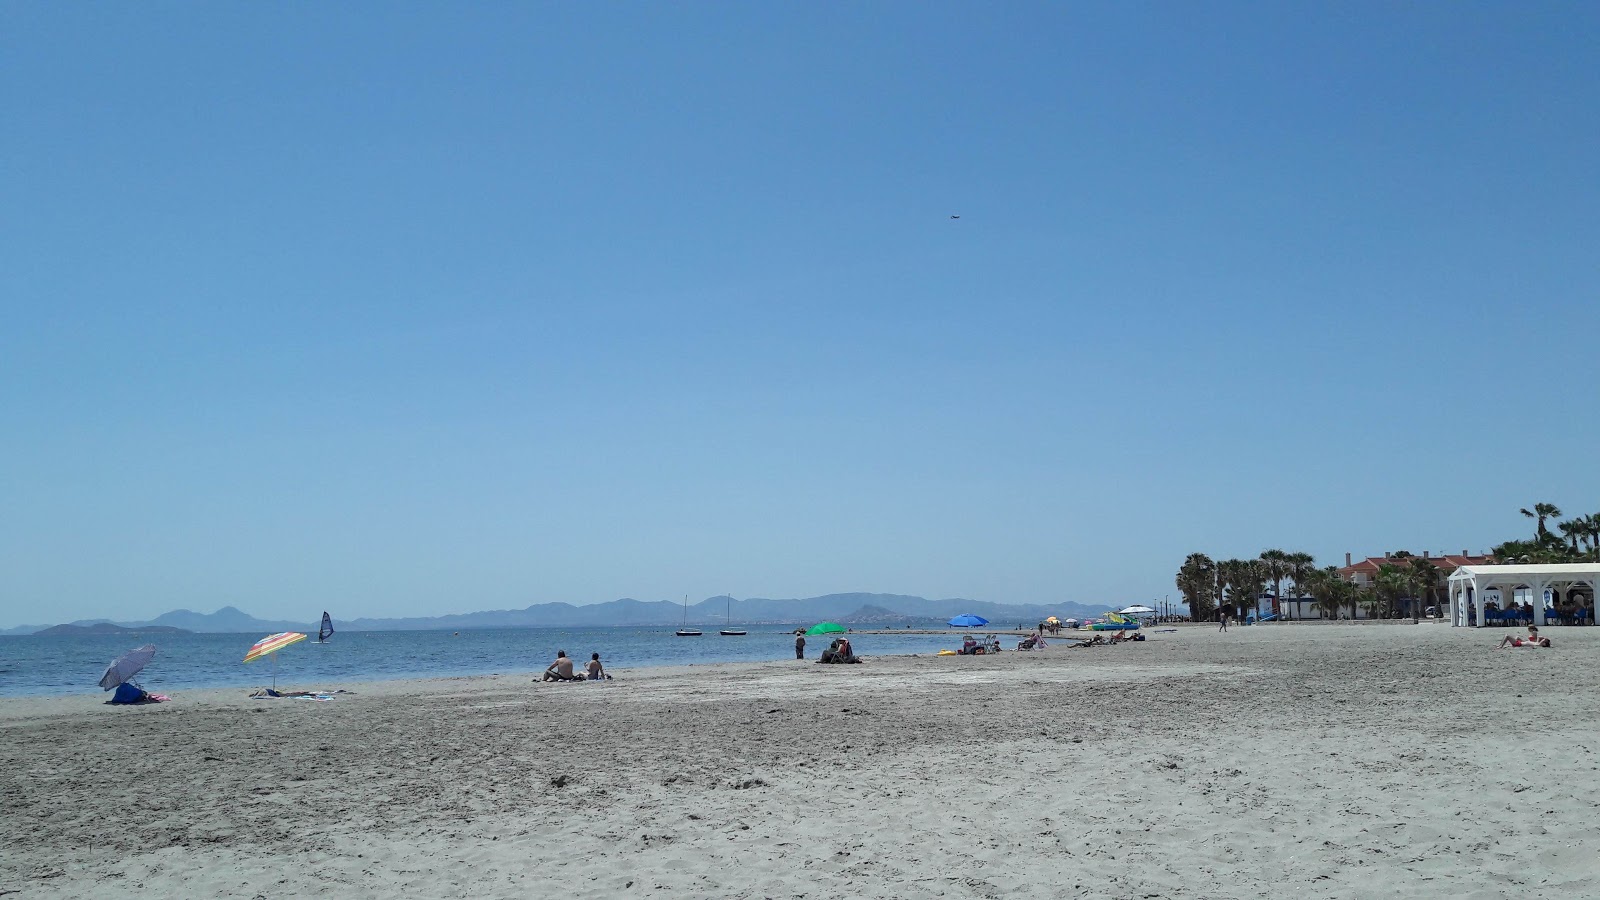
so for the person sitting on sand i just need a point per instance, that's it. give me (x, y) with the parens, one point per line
(561, 669)
(596, 671)
(839, 652)
(1532, 640)
(831, 651)
(967, 647)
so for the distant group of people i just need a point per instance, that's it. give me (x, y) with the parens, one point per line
(561, 669)
(838, 649)
(1100, 640)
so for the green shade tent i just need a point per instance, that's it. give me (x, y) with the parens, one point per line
(827, 628)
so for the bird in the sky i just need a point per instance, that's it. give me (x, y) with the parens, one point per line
(955, 217)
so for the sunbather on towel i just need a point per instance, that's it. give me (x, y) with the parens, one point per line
(1532, 640)
(273, 692)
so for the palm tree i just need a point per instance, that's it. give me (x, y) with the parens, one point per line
(1244, 580)
(1542, 511)
(1354, 595)
(1325, 586)
(1300, 565)
(1197, 581)
(1587, 529)
(1424, 577)
(1513, 552)
(1276, 563)
(1571, 529)
(1391, 584)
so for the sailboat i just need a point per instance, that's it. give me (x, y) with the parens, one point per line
(326, 631)
(731, 631)
(686, 631)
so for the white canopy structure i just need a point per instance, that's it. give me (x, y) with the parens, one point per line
(1469, 587)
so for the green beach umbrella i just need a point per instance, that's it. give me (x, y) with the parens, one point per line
(827, 628)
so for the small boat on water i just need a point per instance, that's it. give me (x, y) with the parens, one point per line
(326, 631)
(731, 631)
(686, 631)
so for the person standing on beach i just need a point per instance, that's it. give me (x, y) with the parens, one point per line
(799, 645)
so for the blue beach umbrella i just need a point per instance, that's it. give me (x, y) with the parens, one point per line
(968, 620)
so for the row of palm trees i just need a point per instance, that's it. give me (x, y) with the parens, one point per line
(1579, 540)
(1235, 585)
(1209, 586)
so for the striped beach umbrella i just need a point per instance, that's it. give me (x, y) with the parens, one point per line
(272, 643)
(269, 646)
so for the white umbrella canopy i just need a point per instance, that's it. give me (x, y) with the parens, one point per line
(1137, 611)
(124, 667)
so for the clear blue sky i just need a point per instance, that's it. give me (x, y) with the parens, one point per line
(419, 308)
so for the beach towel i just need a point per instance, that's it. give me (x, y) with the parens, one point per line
(269, 693)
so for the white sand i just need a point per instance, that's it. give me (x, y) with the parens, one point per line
(1285, 760)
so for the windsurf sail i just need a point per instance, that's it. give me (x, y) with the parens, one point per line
(326, 631)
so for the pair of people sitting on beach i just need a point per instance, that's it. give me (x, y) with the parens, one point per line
(561, 669)
(1532, 640)
(839, 652)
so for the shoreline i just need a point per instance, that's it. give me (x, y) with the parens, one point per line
(288, 679)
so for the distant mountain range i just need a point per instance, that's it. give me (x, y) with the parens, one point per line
(856, 608)
(112, 628)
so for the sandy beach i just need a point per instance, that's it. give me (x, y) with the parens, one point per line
(1305, 760)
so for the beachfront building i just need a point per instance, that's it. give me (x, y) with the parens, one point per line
(1557, 591)
(1364, 574)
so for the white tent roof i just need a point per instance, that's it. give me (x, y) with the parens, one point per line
(1558, 570)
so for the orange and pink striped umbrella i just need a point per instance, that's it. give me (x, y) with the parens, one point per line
(272, 643)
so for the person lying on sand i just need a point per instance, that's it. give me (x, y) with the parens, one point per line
(561, 669)
(1089, 642)
(1532, 640)
(271, 692)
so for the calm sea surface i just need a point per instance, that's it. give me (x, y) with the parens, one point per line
(34, 664)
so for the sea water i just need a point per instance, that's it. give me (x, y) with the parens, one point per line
(69, 664)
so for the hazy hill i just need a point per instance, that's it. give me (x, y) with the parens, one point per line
(878, 616)
(110, 628)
